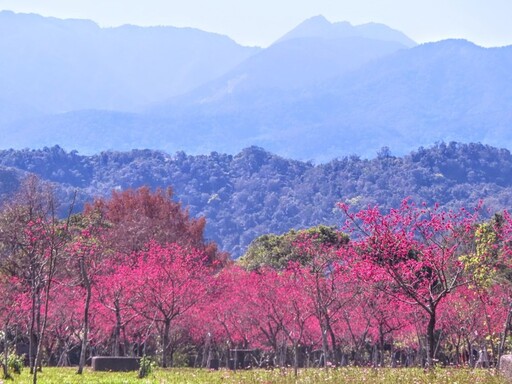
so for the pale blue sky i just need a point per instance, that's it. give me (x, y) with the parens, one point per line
(260, 22)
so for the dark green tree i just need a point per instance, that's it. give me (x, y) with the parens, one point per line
(277, 251)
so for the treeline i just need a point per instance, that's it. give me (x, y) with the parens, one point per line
(256, 192)
(132, 275)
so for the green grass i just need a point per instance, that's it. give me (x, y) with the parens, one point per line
(310, 376)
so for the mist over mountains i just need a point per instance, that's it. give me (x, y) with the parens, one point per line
(52, 65)
(321, 91)
(450, 90)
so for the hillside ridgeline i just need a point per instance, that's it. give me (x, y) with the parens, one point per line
(256, 192)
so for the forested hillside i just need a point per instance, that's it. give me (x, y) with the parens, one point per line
(256, 192)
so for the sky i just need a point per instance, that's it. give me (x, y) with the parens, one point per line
(261, 22)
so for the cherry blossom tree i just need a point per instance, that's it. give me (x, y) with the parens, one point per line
(65, 322)
(230, 317)
(114, 304)
(328, 283)
(33, 238)
(299, 308)
(414, 253)
(165, 282)
(86, 256)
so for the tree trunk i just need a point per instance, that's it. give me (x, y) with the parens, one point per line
(333, 340)
(325, 348)
(471, 360)
(128, 348)
(171, 357)
(5, 365)
(83, 351)
(64, 356)
(32, 336)
(165, 342)
(37, 366)
(206, 348)
(431, 327)
(503, 340)
(282, 354)
(457, 354)
(381, 346)
(117, 332)
(41, 328)
(295, 359)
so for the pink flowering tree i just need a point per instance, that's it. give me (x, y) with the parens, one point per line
(113, 303)
(86, 255)
(164, 283)
(229, 318)
(32, 240)
(414, 253)
(329, 284)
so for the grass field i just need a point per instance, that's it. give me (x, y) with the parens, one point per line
(192, 376)
(312, 376)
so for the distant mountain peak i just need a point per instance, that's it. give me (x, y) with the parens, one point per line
(453, 43)
(452, 47)
(319, 26)
(317, 20)
(31, 19)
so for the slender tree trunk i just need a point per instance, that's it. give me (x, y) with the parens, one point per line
(503, 340)
(431, 339)
(42, 327)
(282, 352)
(381, 346)
(171, 357)
(117, 332)
(32, 337)
(325, 347)
(37, 366)
(64, 356)
(128, 348)
(295, 359)
(206, 352)
(5, 365)
(471, 360)
(457, 354)
(489, 332)
(165, 342)
(83, 351)
(332, 336)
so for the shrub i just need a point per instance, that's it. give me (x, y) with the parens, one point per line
(15, 362)
(146, 366)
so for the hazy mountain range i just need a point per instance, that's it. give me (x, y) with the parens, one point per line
(322, 90)
(50, 65)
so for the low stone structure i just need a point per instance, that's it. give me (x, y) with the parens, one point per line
(506, 367)
(115, 364)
